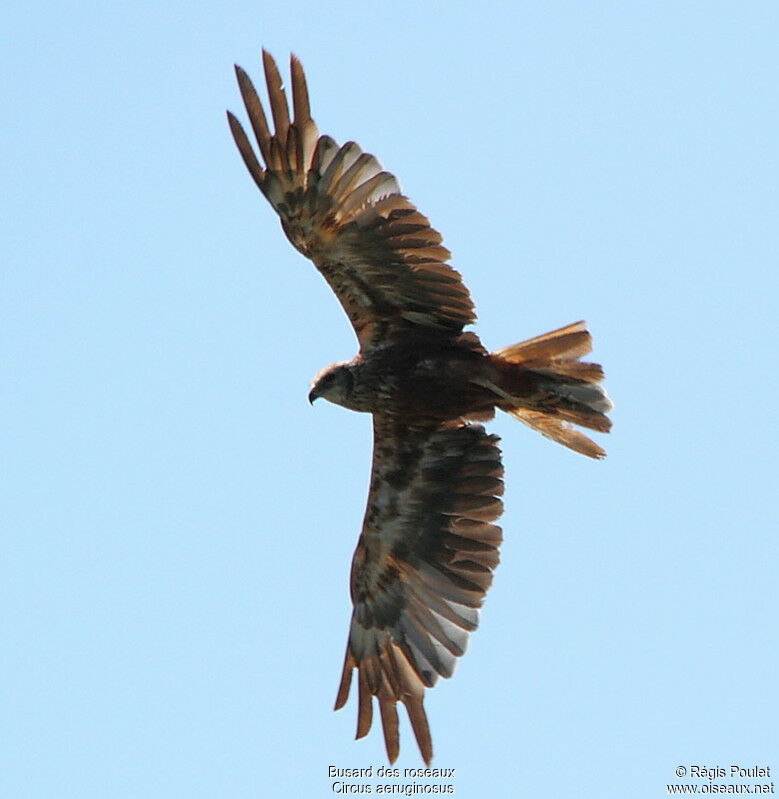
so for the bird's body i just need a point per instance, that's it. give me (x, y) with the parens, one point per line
(410, 383)
(428, 544)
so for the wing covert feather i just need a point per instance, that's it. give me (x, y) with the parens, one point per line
(381, 257)
(422, 566)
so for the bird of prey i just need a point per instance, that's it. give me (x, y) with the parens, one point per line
(428, 544)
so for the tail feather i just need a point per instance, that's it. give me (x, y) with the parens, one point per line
(589, 372)
(548, 388)
(568, 343)
(559, 431)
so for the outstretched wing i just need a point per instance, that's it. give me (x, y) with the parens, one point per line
(378, 253)
(422, 566)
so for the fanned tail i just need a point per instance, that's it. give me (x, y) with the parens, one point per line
(548, 388)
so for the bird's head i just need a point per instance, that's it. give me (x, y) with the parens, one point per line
(334, 383)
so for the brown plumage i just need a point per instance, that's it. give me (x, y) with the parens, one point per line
(428, 545)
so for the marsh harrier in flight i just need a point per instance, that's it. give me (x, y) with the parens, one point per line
(428, 545)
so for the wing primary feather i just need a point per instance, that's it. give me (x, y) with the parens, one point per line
(389, 724)
(278, 157)
(461, 615)
(418, 718)
(364, 167)
(300, 101)
(365, 704)
(341, 162)
(324, 152)
(346, 680)
(255, 111)
(295, 150)
(382, 182)
(422, 652)
(278, 100)
(431, 625)
(246, 150)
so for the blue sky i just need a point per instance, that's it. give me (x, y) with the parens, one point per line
(178, 523)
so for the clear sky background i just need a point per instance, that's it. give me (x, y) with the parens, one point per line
(178, 523)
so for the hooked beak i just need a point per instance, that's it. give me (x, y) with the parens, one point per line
(312, 395)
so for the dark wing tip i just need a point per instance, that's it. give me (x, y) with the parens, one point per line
(419, 724)
(244, 81)
(276, 95)
(241, 75)
(300, 99)
(268, 61)
(246, 150)
(346, 680)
